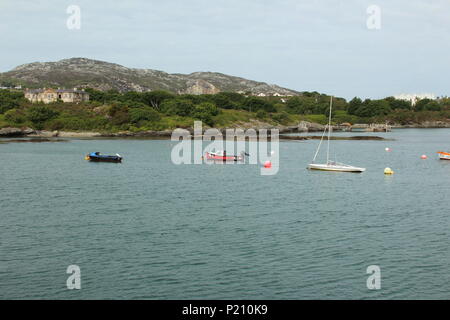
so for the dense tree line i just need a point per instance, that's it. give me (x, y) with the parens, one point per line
(386, 106)
(111, 109)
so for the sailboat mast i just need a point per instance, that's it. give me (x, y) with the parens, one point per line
(329, 130)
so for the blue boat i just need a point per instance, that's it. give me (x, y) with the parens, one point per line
(97, 157)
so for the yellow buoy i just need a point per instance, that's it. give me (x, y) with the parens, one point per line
(388, 171)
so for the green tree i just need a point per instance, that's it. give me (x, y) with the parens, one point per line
(354, 105)
(205, 112)
(433, 106)
(40, 114)
(295, 105)
(261, 114)
(10, 100)
(371, 108)
(228, 100)
(179, 107)
(155, 98)
(253, 104)
(15, 116)
(119, 114)
(112, 95)
(96, 95)
(398, 104)
(427, 105)
(144, 114)
(306, 104)
(282, 117)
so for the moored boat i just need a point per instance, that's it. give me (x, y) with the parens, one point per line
(444, 155)
(335, 166)
(331, 165)
(221, 155)
(97, 157)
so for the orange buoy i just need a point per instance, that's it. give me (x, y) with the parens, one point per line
(267, 164)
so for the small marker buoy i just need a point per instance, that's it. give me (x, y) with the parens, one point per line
(267, 164)
(388, 171)
(424, 157)
(388, 149)
(272, 152)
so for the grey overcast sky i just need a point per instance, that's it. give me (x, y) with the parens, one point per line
(308, 45)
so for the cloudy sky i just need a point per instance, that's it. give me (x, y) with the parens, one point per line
(310, 45)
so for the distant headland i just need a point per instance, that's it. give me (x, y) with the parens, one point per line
(86, 97)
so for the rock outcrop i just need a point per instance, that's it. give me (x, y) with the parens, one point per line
(201, 87)
(15, 132)
(305, 126)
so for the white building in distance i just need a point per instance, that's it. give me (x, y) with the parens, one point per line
(52, 95)
(414, 97)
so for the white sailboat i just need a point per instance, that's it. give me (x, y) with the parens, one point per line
(331, 165)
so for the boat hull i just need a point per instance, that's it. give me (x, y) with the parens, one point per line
(444, 155)
(335, 168)
(105, 159)
(215, 157)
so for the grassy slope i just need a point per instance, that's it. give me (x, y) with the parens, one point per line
(3, 122)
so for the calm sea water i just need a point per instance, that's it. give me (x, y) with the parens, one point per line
(148, 229)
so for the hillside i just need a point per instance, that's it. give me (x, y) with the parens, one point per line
(82, 72)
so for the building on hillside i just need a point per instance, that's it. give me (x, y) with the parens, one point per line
(19, 87)
(413, 98)
(52, 95)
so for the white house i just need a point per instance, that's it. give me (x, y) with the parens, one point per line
(414, 97)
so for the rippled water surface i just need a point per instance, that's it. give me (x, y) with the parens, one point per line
(149, 229)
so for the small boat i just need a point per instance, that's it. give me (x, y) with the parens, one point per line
(97, 157)
(221, 155)
(444, 155)
(331, 165)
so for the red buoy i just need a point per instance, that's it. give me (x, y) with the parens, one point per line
(267, 164)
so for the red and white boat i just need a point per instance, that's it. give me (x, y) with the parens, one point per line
(444, 155)
(221, 155)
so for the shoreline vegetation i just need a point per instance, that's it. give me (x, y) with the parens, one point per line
(36, 138)
(155, 114)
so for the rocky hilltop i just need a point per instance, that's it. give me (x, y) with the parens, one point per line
(83, 72)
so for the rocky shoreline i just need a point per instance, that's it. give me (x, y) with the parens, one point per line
(31, 133)
(10, 132)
